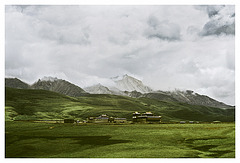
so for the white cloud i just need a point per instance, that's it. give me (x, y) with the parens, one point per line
(87, 45)
(162, 30)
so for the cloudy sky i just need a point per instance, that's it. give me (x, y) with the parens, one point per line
(167, 47)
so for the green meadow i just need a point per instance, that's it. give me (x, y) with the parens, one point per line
(25, 139)
(42, 140)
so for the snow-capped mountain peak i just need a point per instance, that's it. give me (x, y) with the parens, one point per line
(128, 83)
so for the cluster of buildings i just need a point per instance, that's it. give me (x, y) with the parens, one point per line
(106, 119)
(137, 117)
(146, 117)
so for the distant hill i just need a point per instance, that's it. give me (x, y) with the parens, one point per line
(16, 83)
(29, 104)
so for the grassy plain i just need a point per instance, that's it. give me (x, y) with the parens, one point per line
(42, 140)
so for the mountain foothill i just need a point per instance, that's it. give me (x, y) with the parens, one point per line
(127, 95)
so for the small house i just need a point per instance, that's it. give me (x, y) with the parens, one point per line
(91, 119)
(145, 117)
(154, 119)
(100, 119)
(139, 119)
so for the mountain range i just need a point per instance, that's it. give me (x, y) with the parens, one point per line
(125, 86)
(48, 83)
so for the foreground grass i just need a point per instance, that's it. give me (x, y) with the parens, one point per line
(37, 140)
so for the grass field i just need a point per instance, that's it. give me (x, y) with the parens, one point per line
(41, 140)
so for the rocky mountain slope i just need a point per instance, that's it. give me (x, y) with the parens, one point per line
(48, 83)
(193, 98)
(59, 86)
(187, 96)
(16, 83)
(98, 89)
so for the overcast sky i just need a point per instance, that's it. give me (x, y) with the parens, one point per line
(167, 47)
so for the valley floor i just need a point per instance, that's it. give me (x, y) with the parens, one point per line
(42, 140)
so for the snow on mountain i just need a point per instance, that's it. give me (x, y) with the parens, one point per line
(122, 85)
(128, 83)
(98, 89)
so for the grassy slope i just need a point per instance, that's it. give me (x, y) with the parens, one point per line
(24, 139)
(40, 104)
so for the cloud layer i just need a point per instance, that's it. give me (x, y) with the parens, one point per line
(168, 47)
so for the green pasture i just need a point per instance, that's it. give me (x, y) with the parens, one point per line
(42, 140)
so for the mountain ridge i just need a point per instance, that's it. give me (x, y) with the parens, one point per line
(60, 86)
(48, 83)
(128, 82)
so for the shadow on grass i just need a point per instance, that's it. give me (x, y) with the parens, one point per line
(81, 140)
(207, 148)
(21, 146)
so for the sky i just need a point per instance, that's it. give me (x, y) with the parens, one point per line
(167, 47)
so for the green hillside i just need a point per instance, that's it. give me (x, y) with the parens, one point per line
(25, 104)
